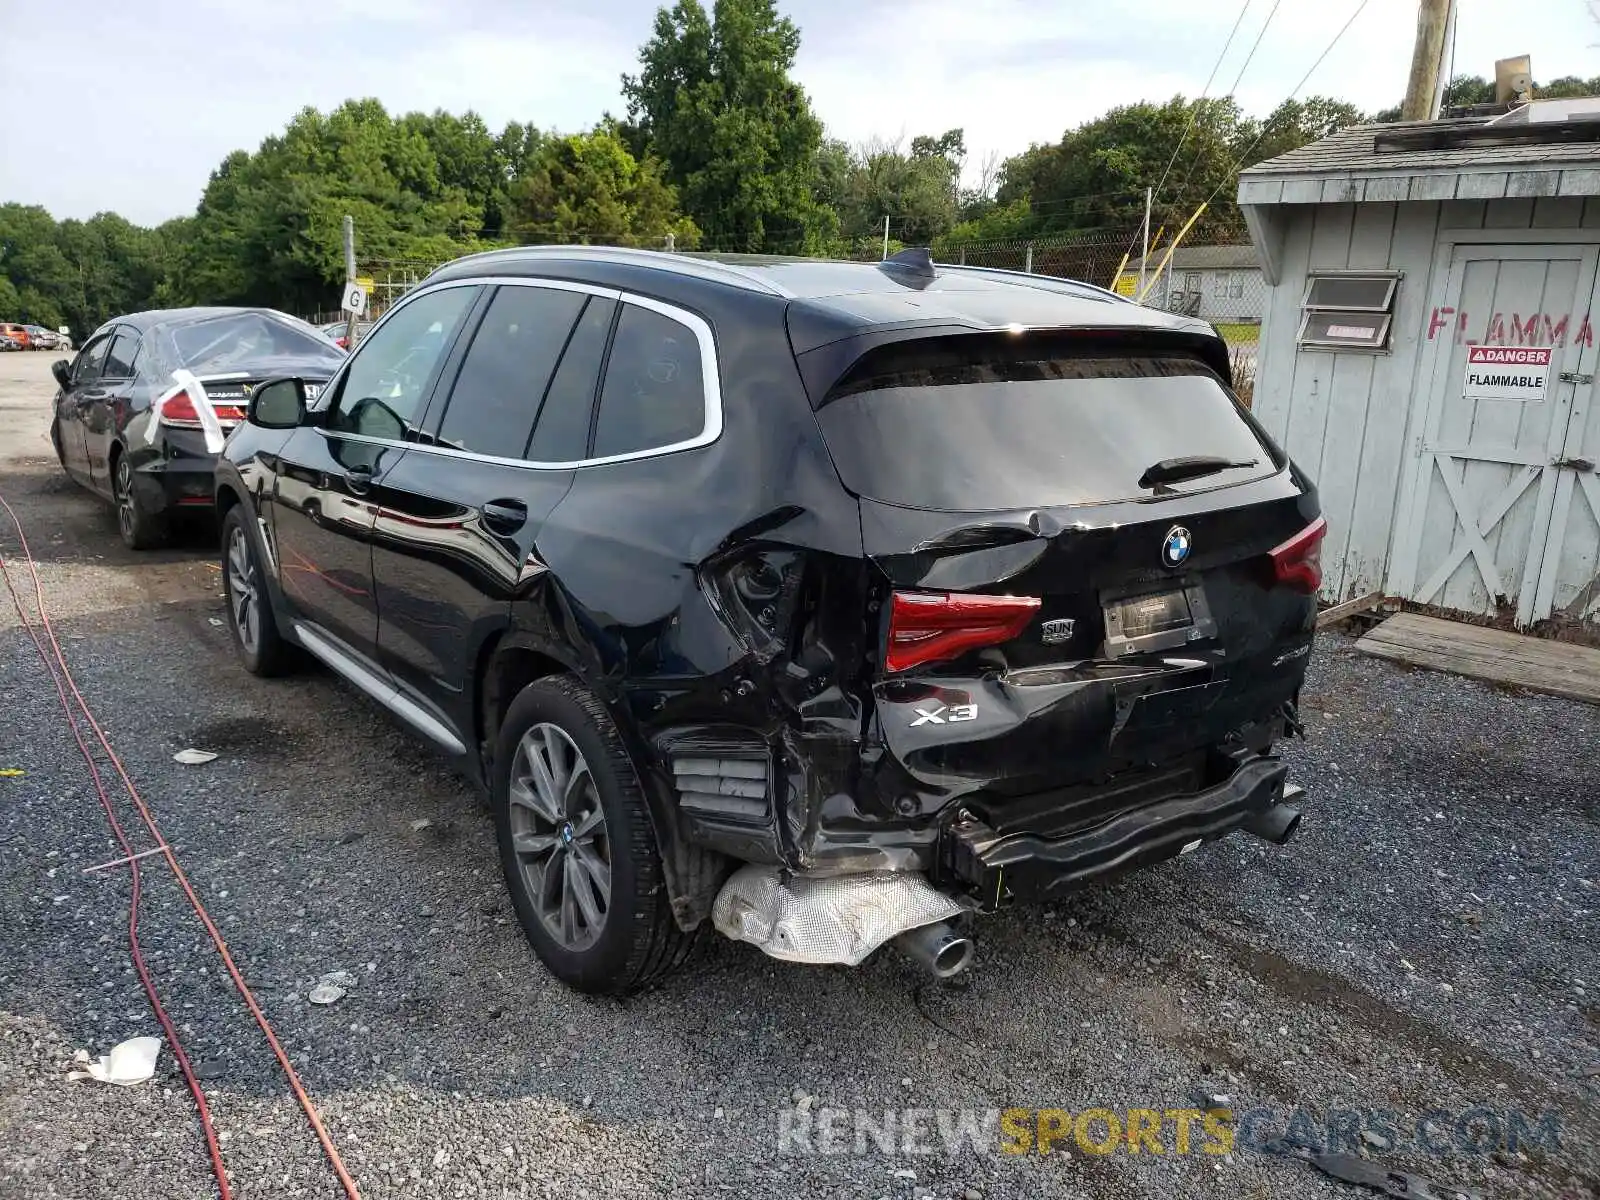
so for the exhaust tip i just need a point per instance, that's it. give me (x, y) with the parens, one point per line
(1276, 824)
(938, 948)
(953, 958)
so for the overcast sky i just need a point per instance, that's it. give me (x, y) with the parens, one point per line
(129, 106)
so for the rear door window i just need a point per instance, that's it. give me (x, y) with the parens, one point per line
(654, 395)
(121, 357)
(972, 433)
(90, 362)
(507, 369)
(562, 434)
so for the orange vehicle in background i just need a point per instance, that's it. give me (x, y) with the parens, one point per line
(18, 333)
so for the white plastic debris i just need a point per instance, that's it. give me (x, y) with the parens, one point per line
(420, 824)
(129, 1063)
(192, 757)
(331, 988)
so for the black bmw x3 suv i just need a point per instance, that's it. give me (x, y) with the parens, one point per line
(827, 602)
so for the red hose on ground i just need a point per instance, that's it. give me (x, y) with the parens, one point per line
(133, 904)
(345, 1179)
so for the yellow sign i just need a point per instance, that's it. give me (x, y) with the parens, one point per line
(1126, 285)
(365, 283)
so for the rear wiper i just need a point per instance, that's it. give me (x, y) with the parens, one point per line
(1176, 470)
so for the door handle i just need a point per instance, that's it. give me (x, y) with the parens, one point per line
(358, 480)
(505, 516)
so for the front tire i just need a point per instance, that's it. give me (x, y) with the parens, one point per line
(250, 618)
(576, 844)
(140, 528)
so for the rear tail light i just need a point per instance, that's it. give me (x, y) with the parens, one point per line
(1297, 563)
(929, 626)
(179, 412)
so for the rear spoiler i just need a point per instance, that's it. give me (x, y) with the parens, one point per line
(823, 367)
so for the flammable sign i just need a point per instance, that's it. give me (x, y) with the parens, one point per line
(1508, 372)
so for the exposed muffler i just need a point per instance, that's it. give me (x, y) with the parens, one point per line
(839, 918)
(938, 948)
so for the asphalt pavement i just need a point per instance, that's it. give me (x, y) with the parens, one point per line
(1426, 947)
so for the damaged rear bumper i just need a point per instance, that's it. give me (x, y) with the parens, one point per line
(996, 865)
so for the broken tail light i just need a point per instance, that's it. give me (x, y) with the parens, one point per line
(926, 627)
(179, 412)
(1297, 563)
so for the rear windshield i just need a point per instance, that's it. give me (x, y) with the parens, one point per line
(975, 436)
(233, 341)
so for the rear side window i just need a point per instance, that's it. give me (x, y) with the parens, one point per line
(562, 434)
(968, 433)
(507, 368)
(90, 361)
(122, 355)
(654, 393)
(220, 343)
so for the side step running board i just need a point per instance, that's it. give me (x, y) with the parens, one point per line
(380, 689)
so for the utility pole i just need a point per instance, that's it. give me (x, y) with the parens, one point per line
(1447, 59)
(1144, 258)
(349, 278)
(1427, 60)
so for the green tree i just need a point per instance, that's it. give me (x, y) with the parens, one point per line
(587, 187)
(714, 101)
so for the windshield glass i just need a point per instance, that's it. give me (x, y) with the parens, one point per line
(232, 341)
(1001, 433)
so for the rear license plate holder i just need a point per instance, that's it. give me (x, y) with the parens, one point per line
(1152, 621)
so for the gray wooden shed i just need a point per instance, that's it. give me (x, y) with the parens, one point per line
(1428, 356)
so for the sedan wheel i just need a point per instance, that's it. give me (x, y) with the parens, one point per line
(127, 516)
(558, 834)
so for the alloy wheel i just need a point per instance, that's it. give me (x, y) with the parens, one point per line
(558, 832)
(124, 492)
(243, 594)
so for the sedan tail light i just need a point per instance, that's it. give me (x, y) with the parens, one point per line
(1297, 563)
(927, 627)
(179, 412)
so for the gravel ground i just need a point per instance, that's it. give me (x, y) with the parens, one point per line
(1427, 943)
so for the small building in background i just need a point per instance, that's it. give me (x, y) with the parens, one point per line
(1220, 284)
(1428, 355)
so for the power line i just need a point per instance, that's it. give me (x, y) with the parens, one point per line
(1194, 164)
(1238, 164)
(1194, 111)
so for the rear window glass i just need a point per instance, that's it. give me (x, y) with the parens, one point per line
(229, 341)
(1004, 433)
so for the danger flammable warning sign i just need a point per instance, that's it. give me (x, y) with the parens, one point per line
(1508, 372)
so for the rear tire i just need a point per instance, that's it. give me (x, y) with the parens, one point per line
(140, 528)
(577, 846)
(250, 618)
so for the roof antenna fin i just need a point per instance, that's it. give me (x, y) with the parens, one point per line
(914, 260)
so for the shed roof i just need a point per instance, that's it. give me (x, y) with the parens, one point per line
(1354, 149)
(1206, 258)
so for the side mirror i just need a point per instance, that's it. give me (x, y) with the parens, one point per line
(278, 404)
(62, 370)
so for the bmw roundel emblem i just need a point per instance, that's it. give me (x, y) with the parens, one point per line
(1175, 549)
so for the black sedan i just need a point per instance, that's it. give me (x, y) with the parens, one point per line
(144, 408)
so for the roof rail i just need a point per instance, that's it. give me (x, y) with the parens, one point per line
(661, 260)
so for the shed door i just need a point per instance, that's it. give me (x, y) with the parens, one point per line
(1483, 527)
